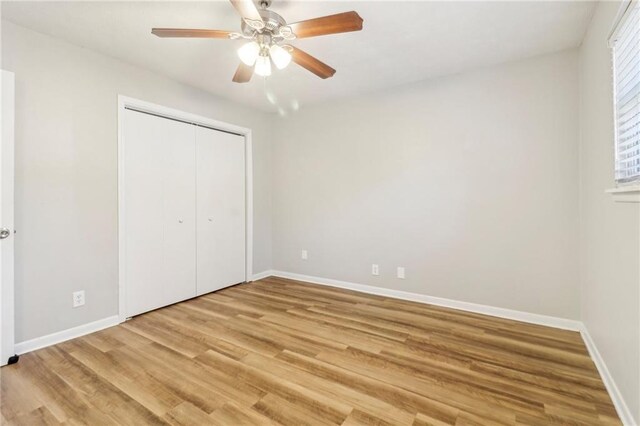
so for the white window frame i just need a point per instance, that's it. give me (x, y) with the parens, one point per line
(625, 190)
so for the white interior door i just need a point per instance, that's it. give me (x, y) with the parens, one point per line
(159, 197)
(6, 219)
(220, 209)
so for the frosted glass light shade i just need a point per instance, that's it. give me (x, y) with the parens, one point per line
(279, 56)
(248, 53)
(263, 66)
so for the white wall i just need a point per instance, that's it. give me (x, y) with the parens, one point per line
(468, 181)
(66, 174)
(610, 231)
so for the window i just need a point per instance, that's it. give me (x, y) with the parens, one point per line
(626, 69)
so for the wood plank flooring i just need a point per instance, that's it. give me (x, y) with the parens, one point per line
(277, 351)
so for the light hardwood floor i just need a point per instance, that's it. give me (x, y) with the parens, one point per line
(277, 351)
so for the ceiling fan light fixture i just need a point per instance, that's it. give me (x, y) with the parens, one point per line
(279, 56)
(249, 52)
(263, 66)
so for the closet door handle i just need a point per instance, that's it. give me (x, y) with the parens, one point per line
(180, 221)
(210, 219)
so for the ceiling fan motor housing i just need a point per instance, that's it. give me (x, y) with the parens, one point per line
(272, 22)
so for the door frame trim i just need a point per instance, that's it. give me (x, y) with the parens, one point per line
(171, 113)
(7, 156)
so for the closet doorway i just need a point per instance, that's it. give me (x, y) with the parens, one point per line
(184, 195)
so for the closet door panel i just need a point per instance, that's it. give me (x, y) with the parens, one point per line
(179, 185)
(144, 201)
(159, 178)
(220, 173)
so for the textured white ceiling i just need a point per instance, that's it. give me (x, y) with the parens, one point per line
(402, 41)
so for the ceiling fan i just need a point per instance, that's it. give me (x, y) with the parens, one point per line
(268, 34)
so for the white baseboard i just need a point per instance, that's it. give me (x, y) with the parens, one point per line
(563, 323)
(618, 401)
(261, 275)
(61, 336)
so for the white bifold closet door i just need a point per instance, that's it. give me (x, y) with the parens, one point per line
(160, 211)
(220, 204)
(184, 210)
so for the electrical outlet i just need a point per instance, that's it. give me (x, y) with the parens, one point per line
(78, 298)
(401, 272)
(304, 255)
(375, 270)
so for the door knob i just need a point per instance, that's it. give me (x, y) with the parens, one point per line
(180, 221)
(4, 233)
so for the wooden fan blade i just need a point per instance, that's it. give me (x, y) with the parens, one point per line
(248, 10)
(184, 32)
(310, 63)
(243, 73)
(332, 24)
